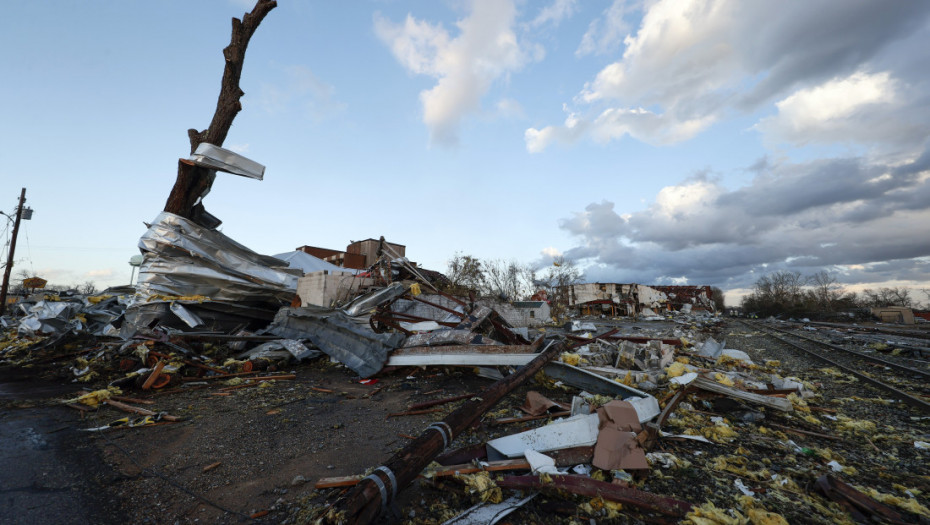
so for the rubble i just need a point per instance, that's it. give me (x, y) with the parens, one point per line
(596, 415)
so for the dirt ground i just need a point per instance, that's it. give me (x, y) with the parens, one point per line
(253, 454)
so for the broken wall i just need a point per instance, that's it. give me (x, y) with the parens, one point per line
(324, 288)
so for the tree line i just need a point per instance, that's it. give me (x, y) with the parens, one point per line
(789, 293)
(510, 280)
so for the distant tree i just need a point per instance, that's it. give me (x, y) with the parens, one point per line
(466, 273)
(886, 297)
(781, 292)
(826, 290)
(88, 288)
(716, 295)
(556, 280)
(508, 280)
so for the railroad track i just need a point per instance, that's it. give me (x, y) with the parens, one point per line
(880, 371)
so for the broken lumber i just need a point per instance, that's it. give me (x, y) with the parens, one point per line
(860, 506)
(591, 488)
(766, 401)
(428, 404)
(154, 375)
(137, 410)
(371, 497)
(508, 420)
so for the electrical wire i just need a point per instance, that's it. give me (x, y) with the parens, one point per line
(32, 267)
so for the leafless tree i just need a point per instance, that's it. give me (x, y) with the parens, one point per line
(88, 288)
(886, 297)
(826, 290)
(466, 273)
(556, 280)
(508, 280)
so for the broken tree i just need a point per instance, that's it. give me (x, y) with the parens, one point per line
(195, 181)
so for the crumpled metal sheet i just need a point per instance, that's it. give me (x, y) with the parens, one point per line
(184, 259)
(283, 348)
(217, 158)
(216, 316)
(334, 332)
(366, 303)
(449, 337)
(49, 317)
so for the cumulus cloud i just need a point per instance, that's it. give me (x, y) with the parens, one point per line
(691, 63)
(485, 50)
(844, 215)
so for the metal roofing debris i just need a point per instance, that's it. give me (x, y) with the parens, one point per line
(338, 336)
(217, 158)
(182, 258)
(307, 263)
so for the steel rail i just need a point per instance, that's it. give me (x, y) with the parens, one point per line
(902, 368)
(915, 402)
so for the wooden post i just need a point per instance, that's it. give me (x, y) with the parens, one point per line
(9, 259)
(193, 180)
(374, 493)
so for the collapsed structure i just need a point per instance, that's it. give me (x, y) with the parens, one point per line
(615, 299)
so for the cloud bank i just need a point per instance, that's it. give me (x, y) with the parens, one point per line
(865, 221)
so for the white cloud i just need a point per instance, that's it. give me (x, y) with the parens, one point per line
(691, 63)
(555, 13)
(860, 108)
(485, 50)
(605, 34)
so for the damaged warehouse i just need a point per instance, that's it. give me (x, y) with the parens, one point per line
(355, 386)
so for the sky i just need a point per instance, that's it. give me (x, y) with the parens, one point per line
(668, 142)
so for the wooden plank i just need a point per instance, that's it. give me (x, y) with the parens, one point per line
(137, 410)
(451, 470)
(154, 375)
(771, 402)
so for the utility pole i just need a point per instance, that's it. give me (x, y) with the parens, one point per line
(9, 260)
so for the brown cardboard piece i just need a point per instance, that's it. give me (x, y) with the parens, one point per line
(617, 447)
(538, 404)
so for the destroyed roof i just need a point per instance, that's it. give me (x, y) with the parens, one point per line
(309, 264)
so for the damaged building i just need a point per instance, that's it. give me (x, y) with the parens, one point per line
(615, 299)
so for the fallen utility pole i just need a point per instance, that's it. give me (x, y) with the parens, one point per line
(9, 259)
(372, 496)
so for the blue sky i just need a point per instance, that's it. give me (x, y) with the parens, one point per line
(693, 141)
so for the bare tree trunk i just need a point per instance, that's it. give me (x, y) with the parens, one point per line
(193, 180)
